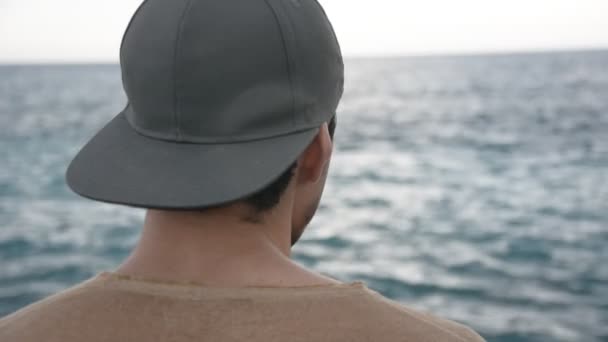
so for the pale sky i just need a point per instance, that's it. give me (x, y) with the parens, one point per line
(90, 31)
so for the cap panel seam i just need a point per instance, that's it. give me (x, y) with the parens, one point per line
(122, 42)
(333, 31)
(293, 58)
(176, 104)
(288, 59)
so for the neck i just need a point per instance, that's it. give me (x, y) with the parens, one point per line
(178, 244)
(216, 247)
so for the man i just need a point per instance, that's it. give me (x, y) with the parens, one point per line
(226, 140)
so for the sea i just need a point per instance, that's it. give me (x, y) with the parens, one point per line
(474, 187)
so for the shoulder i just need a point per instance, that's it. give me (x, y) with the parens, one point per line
(38, 321)
(423, 325)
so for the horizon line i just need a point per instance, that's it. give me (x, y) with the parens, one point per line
(488, 53)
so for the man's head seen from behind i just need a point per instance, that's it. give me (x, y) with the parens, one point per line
(220, 114)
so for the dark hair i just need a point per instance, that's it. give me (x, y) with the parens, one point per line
(270, 195)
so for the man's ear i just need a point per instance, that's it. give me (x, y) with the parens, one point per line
(312, 162)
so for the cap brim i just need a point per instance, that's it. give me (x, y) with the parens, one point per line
(119, 165)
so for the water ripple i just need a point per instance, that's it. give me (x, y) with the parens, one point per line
(474, 187)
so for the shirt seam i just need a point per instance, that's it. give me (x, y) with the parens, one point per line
(129, 281)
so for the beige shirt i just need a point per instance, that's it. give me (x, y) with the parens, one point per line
(112, 307)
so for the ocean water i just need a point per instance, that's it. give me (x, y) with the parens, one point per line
(474, 187)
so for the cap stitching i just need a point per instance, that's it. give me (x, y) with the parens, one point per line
(176, 105)
(288, 59)
(122, 43)
(213, 141)
(331, 27)
(294, 56)
(157, 136)
(333, 31)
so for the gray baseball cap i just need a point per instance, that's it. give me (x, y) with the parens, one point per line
(223, 96)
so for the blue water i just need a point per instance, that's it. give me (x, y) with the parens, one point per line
(474, 187)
